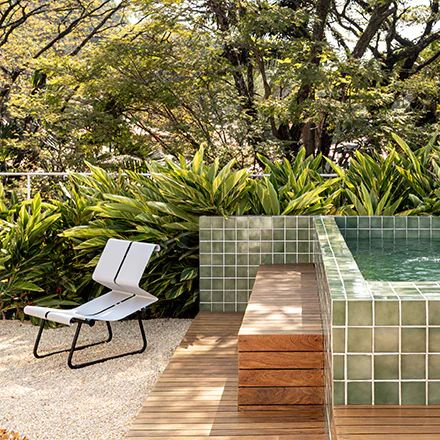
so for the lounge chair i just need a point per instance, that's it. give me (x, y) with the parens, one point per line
(120, 269)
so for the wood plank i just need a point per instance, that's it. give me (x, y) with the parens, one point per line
(387, 422)
(281, 378)
(281, 396)
(283, 360)
(196, 396)
(279, 342)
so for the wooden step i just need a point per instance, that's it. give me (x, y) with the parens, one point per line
(281, 342)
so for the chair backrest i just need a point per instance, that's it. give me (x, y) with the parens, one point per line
(122, 264)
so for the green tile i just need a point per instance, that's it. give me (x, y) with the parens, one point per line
(303, 222)
(434, 366)
(434, 340)
(359, 393)
(376, 222)
(217, 296)
(303, 234)
(360, 313)
(386, 366)
(254, 234)
(291, 246)
(217, 307)
(230, 223)
(229, 307)
(266, 234)
(425, 222)
(338, 312)
(359, 367)
(254, 259)
(242, 272)
(278, 246)
(229, 247)
(242, 284)
(278, 222)
(413, 393)
(266, 247)
(217, 222)
(413, 222)
(241, 307)
(338, 393)
(338, 367)
(413, 340)
(434, 393)
(217, 235)
(386, 340)
(413, 366)
(352, 222)
(338, 340)
(360, 340)
(278, 234)
(217, 271)
(290, 222)
(229, 296)
(303, 247)
(217, 259)
(400, 222)
(386, 312)
(205, 296)
(434, 312)
(400, 233)
(243, 260)
(413, 313)
(205, 234)
(412, 233)
(364, 222)
(386, 393)
(388, 222)
(230, 260)
(242, 234)
(205, 307)
(242, 297)
(217, 284)
(230, 284)
(205, 271)
(291, 234)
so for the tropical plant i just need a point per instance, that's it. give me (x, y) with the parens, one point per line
(164, 208)
(295, 188)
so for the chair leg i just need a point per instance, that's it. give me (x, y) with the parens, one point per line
(98, 361)
(82, 347)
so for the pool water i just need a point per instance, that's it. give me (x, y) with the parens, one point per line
(397, 260)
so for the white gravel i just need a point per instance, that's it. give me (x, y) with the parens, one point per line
(45, 400)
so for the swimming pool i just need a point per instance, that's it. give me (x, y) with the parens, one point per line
(411, 259)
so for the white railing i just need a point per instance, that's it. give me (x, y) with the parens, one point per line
(31, 175)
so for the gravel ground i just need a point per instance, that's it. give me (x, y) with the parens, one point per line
(46, 400)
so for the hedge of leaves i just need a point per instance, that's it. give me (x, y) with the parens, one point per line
(49, 249)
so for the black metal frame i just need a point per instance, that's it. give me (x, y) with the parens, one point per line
(74, 348)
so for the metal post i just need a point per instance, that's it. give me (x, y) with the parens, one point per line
(28, 187)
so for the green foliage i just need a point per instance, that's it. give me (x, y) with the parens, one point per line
(49, 249)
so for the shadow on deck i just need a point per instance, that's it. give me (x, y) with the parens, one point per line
(196, 396)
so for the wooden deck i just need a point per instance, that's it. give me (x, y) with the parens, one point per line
(281, 342)
(196, 396)
(387, 422)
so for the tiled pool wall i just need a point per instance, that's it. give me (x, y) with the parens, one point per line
(326, 310)
(385, 335)
(232, 249)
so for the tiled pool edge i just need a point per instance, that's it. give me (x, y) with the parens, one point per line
(363, 313)
(385, 340)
